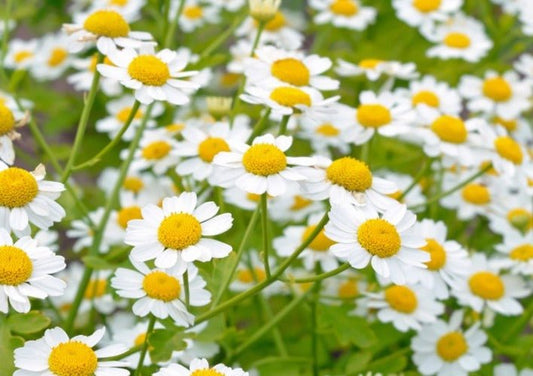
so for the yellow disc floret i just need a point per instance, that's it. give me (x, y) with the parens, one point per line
(125, 113)
(246, 275)
(161, 286)
(193, 12)
(179, 231)
(95, 289)
(401, 299)
(452, 346)
(126, 214)
(379, 237)
(107, 23)
(156, 150)
(264, 160)
(487, 285)
(72, 359)
(344, 7)
(437, 254)
(328, 130)
(523, 253)
(17, 187)
(291, 70)
(476, 194)
(373, 115)
(20, 56)
(134, 184)
(7, 120)
(369, 63)
(457, 40)
(426, 97)
(149, 70)
(520, 218)
(206, 372)
(276, 23)
(211, 146)
(509, 149)
(497, 89)
(300, 203)
(57, 56)
(426, 6)
(321, 242)
(348, 289)
(450, 129)
(350, 173)
(15, 266)
(290, 96)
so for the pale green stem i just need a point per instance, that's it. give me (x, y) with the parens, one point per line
(144, 348)
(264, 225)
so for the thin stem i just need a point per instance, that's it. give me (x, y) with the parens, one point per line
(264, 225)
(283, 125)
(5, 36)
(131, 351)
(425, 166)
(187, 289)
(269, 316)
(222, 37)
(318, 277)
(503, 349)
(519, 324)
(174, 24)
(260, 29)
(144, 348)
(385, 359)
(365, 151)
(237, 99)
(118, 137)
(314, 330)
(176, 179)
(259, 126)
(84, 119)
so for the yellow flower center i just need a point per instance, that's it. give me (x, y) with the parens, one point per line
(520, 218)
(161, 286)
(487, 285)
(437, 254)
(17, 187)
(510, 125)
(426, 97)
(497, 89)
(72, 358)
(206, 372)
(457, 40)
(451, 346)
(95, 289)
(193, 12)
(156, 150)
(328, 130)
(264, 160)
(210, 147)
(178, 127)
(140, 339)
(133, 183)
(351, 174)
(7, 120)
(450, 129)
(401, 299)
(253, 197)
(229, 79)
(291, 70)
(127, 214)
(344, 7)
(107, 23)
(20, 56)
(290, 96)
(509, 149)
(369, 63)
(348, 289)
(15, 266)
(476, 194)
(149, 70)
(523, 252)
(246, 275)
(179, 231)
(124, 114)
(373, 115)
(396, 195)
(300, 203)
(426, 6)
(321, 242)
(276, 23)
(57, 56)
(379, 238)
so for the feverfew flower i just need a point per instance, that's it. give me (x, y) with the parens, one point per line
(20, 54)
(373, 68)
(199, 367)
(8, 124)
(156, 150)
(518, 250)
(195, 15)
(52, 58)
(344, 13)
(419, 12)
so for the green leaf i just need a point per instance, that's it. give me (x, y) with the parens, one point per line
(390, 366)
(7, 365)
(347, 328)
(97, 263)
(28, 323)
(163, 342)
(357, 362)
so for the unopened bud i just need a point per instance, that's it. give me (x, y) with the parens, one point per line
(218, 107)
(263, 10)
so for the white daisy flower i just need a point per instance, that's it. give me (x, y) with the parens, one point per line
(518, 250)
(130, 9)
(373, 69)
(413, 198)
(344, 288)
(511, 370)
(25, 272)
(47, 238)
(26, 198)
(82, 231)
(176, 233)
(199, 367)
(461, 37)
(82, 80)
(260, 168)
(511, 216)
(131, 335)
(195, 14)
(343, 13)
(9, 122)
(509, 6)
(20, 54)
(419, 12)
(56, 354)
(108, 28)
(445, 349)
(346, 181)
(293, 206)
(388, 242)
(153, 76)
(156, 151)
(51, 58)
(160, 292)
(484, 288)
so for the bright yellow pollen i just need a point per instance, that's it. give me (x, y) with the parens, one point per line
(178, 127)
(179, 231)
(140, 339)
(369, 63)
(292, 71)
(373, 115)
(523, 252)
(15, 266)
(72, 358)
(321, 242)
(379, 237)
(401, 299)
(95, 289)
(229, 79)
(124, 114)
(290, 96)
(264, 160)
(57, 56)
(210, 147)
(193, 12)
(344, 7)
(94, 62)
(348, 289)
(20, 56)
(426, 6)
(396, 195)
(149, 70)
(486, 285)
(7, 120)
(520, 218)
(476, 194)
(253, 197)
(107, 23)
(450, 129)
(457, 40)
(127, 214)
(437, 254)
(426, 97)
(350, 173)
(497, 89)
(328, 130)
(276, 23)
(156, 150)
(246, 276)
(509, 149)
(300, 203)
(133, 183)
(206, 372)
(161, 286)
(510, 125)
(451, 346)
(17, 187)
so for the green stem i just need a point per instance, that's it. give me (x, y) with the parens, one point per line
(174, 24)
(5, 37)
(176, 179)
(118, 137)
(260, 29)
(365, 151)
(260, 125)
(84, 120)
(421, 173)
(503, 349)
(314, 322)
(187, 289)
(283, 125)
(264, 225)
(144, 348)
(519, 324)
(385, 359)
(222, 37)
(318, 277)
(131, 351)
(237, 99)
(269, 316)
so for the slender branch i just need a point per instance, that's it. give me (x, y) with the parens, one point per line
(318, 277)
(222, 37)
(131, 351)
(174, 24)
(283, 125)
(314, 322)
(425, 167)
(259, 126)
(264, 225)
(260, 29)
(269, 316)
(187, 289)
(519, 324)
(144, 348)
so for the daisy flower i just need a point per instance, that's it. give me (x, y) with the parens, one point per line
(160, 292)
(511, 370)
(413, 198)
(20, 54)
(388, 243)
(346, 181)
(461, 37)
(108, 28)
(195, 14)
(260, 168)
(199, 367)
(176, 233)
(25, 272)
(373, 68)
(442, 348)
(518, 250)
(153, 76)
(8, 133)
(47, 238)
(229, 5)
(51, 58)
(57, 354)
(293, 206)
(26, 198)
(418, 12)
(343, 13)
(156, 151)
(511, 216)
(484, 287)
(251, 271)
(82, 80)
(131, 335)
(343, 288)
(83, 233)
(130, 9)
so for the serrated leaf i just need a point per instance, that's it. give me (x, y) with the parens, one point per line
(7, 366)
(347, 328)
(28, 323)
(358, 361)
(163, 342)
